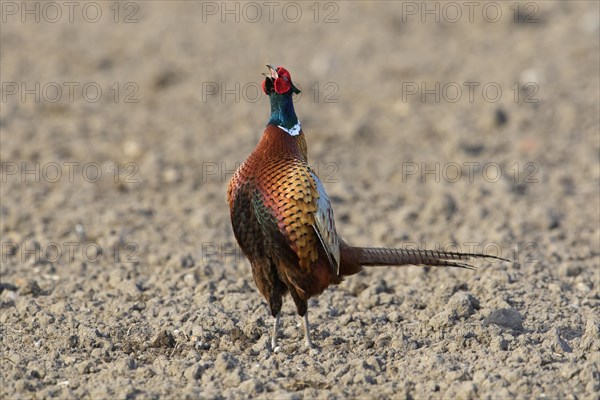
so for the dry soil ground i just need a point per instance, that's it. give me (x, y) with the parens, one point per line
(474, 124)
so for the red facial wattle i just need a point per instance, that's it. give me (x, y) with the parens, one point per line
(280, 81)
(282, 85)
(283, 81)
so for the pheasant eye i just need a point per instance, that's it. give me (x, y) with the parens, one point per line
(283, 73)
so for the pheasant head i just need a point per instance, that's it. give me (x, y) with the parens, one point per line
(279, 87)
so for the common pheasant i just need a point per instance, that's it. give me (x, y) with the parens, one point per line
(283, 220)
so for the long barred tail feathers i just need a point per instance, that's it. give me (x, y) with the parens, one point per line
(375, 256)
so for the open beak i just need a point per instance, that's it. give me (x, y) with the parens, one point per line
(273, 72)
(274, 75)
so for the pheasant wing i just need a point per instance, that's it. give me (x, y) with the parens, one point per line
(325, 225)
(299, 204)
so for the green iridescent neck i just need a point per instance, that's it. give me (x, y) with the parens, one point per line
(282, 110)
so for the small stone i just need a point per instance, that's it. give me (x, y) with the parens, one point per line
(506, 318)
(138, 306)
(262, 344)
(36, 370)
(554, 219)
(473, 149)
(190, 279)
(69, 360)
(85, 367)
(583, 287)
(574, 270)
(440, 320)
(394, 316)
(187, 261)
(164, 339)
(500, 118)
(461, 305)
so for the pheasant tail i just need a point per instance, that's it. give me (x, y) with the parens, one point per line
(354, 258)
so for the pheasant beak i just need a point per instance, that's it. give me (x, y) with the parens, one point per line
(273, 72)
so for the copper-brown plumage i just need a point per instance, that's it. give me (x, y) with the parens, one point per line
(283, 221)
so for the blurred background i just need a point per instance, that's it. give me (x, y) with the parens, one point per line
(465, 125)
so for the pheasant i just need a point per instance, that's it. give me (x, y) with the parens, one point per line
(283, 220)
